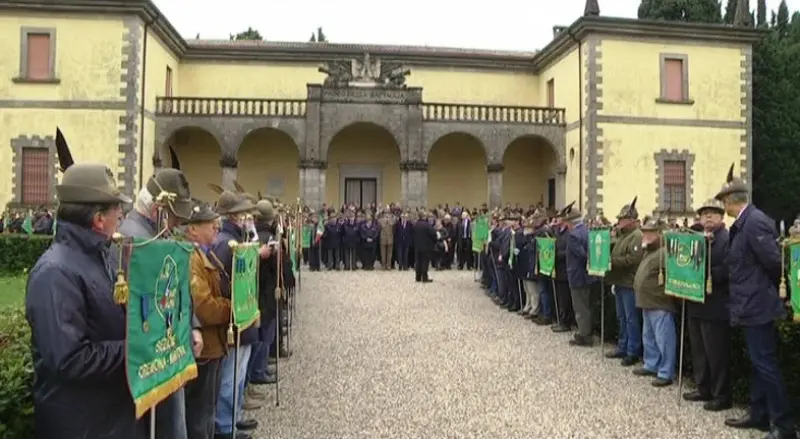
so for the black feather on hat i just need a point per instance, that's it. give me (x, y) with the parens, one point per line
(730, 174)
(62, 150)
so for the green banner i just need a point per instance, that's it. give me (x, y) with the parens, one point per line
(546, 256)
(159, 358)
(480, 233)
(599, 251)
(308, 231)
(685, 265)
(244, 286)
(794, 276)
(293, 250)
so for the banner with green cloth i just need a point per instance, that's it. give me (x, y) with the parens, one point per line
(27, 224)
(293, 250)
(546, 256)
(685, 265)
(793, 245)
(308, 232)
(159, 359)
(599, 251)
(480, 233)
(244, 286)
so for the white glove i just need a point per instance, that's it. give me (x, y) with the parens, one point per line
(613, 290)
(516, 251)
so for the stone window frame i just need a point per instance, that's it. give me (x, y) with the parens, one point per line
(25, 31)
(688, 159)
(34, 141)
(684, 59)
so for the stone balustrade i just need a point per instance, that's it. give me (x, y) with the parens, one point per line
(199, 106)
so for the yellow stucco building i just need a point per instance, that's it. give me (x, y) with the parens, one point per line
(609, 109)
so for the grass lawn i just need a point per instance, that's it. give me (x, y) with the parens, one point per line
(12, 290)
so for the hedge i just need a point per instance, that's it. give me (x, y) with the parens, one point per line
(18, 253)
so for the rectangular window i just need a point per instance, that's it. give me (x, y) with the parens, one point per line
(168, 83)
(36, 176)
(675, 186)
(551, 93)
(38, 56)
(673, 82)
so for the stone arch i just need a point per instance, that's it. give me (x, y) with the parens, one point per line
(294, 129)
(457, 170)
(168, 129)
(435, 132)
(198, 153)
(532, 170)
(267, 162)
(363, 151)
(554, 137)
(344, 120)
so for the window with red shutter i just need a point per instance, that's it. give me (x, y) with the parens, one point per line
(39, 57)
(673, 80)
(36, 175)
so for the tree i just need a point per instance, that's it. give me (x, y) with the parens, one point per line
(321, 36)
(313, 38)
(249, 34)
(730, 11)
(699, 11)
(761, 13)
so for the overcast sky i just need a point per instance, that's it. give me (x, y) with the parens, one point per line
(495, 24)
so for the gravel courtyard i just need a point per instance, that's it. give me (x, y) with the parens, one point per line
(377, 355)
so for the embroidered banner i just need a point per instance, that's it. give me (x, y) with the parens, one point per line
(159, 358)
(685, 265)
(480, 233)
(546, 256)
(794, 275)
(599, 251)
(244, 286)
(308, 231)
(293, 250)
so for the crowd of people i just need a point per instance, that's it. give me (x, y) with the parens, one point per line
(745, 271)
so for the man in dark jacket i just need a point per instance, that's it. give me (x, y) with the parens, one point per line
(403, 238)
(332, 242)
(563, 295)
(464, 241)
(80, 388)
(709, 326)
(233, 207)
(754, 270)
(580, 283)
(350, 241)
(424, 244)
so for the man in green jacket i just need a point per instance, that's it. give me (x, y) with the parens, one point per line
(626, 254)
(659, 338)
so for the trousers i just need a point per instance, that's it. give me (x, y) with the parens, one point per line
(201, 400)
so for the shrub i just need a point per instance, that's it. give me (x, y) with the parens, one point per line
(18, 253)
(16, 375)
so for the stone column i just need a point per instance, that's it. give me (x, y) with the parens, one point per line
(414, 183)
(312, 182)
(230, 172)
(561, 187)
(494, 175)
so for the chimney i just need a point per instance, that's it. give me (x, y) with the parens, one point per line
(592, 9)
(557, 30)
(742, 16)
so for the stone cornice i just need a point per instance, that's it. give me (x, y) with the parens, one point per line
(413, 166)
(312, 164)
(205, 50)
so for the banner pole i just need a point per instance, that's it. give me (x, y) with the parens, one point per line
(602, 317)
(153, 422)
(555, 300)
(682, 345)
(235, 383)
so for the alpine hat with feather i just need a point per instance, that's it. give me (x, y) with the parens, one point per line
(231, 203)
(170, 187)
(713, 205)
(201, 212)
(629, 211)
(733, 185)
(85, 183)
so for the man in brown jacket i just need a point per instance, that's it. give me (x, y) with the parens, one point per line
(658, 335)
(386, 223)
(214, 313)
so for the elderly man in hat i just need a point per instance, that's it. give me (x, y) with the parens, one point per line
(214, 312)
(539, 286)
(163, 203)
(77, 330)
(563, 295)
(581, 284)
(234, 208)
(658, 310)
(754, 270)
(709, 323)
(626, 254)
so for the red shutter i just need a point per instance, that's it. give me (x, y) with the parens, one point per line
(673, 69)
(38, 56)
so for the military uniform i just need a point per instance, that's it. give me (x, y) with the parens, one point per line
(562, 292)
(626, 254)
(369, 234)
(581, 285)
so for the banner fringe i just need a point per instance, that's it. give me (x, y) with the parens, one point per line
(163, 391)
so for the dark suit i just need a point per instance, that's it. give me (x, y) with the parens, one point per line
(562, 292)
(464, 241)
(709, 328)
(424, 244)
(403, 238)
(754, 270)
(580, 283)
